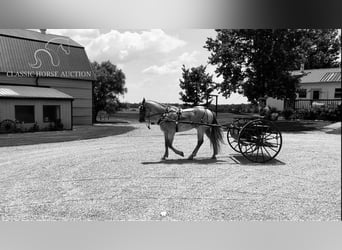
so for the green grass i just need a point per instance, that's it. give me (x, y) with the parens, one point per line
(78, 133)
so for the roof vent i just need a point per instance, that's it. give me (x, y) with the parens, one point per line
(43, 31)
(302, 67)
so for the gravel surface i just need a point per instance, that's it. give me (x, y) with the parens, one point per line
(122, 178)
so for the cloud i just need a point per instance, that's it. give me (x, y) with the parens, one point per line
(120, 47)
(188, 59)
(129, 46)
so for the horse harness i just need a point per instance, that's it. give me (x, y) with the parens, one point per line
(165, 117)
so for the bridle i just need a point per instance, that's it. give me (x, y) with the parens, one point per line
(142, 110)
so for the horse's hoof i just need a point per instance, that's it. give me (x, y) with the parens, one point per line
(190, 158)
(181, 154)
(213, 157)
(163, 158)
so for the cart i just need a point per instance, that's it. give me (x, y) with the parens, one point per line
(257, 139)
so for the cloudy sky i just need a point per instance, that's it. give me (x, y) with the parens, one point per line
(150, 59)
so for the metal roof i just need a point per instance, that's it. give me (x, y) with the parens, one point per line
(52, 54)
(9, 91)
(37, 36)
(320, 75)
(331, 77)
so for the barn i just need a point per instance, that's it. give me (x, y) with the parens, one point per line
(44, 78)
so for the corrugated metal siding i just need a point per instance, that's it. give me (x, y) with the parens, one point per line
(17, 80)
(17, 54)
(82, 112)
(65, 83)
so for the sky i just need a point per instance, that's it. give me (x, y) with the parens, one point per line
(150, 59)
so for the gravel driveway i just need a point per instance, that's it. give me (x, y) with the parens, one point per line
(122, 178)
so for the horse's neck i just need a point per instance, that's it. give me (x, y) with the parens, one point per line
(157, 107)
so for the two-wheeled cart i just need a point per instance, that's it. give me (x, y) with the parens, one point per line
(257, 139)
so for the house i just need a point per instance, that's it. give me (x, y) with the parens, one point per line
(44, 78)
(318, 88)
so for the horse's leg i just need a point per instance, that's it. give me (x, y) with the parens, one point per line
(166, 154)
(171, 136)
(200, 133)
(212, 141)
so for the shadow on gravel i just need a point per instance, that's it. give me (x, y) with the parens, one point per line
(185, 161)
(233, 159)
(240, 159)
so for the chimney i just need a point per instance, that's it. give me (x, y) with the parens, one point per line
(302, 67)
(43, 31)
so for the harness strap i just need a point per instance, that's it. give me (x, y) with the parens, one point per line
(179, 113)
(164, 116)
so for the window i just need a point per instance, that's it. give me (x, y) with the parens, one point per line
(51, 113)
(302, 93)
(315, 94)
(24, 113)
(338, 92)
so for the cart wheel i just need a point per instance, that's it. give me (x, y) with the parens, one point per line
(7, 126)
(233, 137)
(260, 141)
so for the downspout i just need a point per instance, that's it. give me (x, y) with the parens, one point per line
(72, 121)
(37, 81)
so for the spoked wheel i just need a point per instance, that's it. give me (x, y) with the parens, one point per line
(7, 126)
(233, 137)
(260, 141)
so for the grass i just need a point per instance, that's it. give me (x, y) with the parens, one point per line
(78, 133)
(123, 120)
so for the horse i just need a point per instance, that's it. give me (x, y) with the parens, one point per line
(171, 119)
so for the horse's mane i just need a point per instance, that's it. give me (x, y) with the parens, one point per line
(161, 104)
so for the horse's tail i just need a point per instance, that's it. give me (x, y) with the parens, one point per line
(215, 135)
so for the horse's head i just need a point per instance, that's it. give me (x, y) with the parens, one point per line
(142, 111)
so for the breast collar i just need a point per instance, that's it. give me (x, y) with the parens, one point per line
(169, 111)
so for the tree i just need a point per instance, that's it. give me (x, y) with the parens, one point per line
(196, 85)
(110, 82)
(260, 61)
(322, 48)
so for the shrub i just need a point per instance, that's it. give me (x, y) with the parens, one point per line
(58, 125)
(34, 128)
(319, 114)
(288, 114)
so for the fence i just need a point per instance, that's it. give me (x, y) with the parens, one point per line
(320, 103)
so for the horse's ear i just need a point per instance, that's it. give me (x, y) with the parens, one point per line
(143, 101)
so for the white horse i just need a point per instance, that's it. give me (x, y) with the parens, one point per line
(172, 119)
